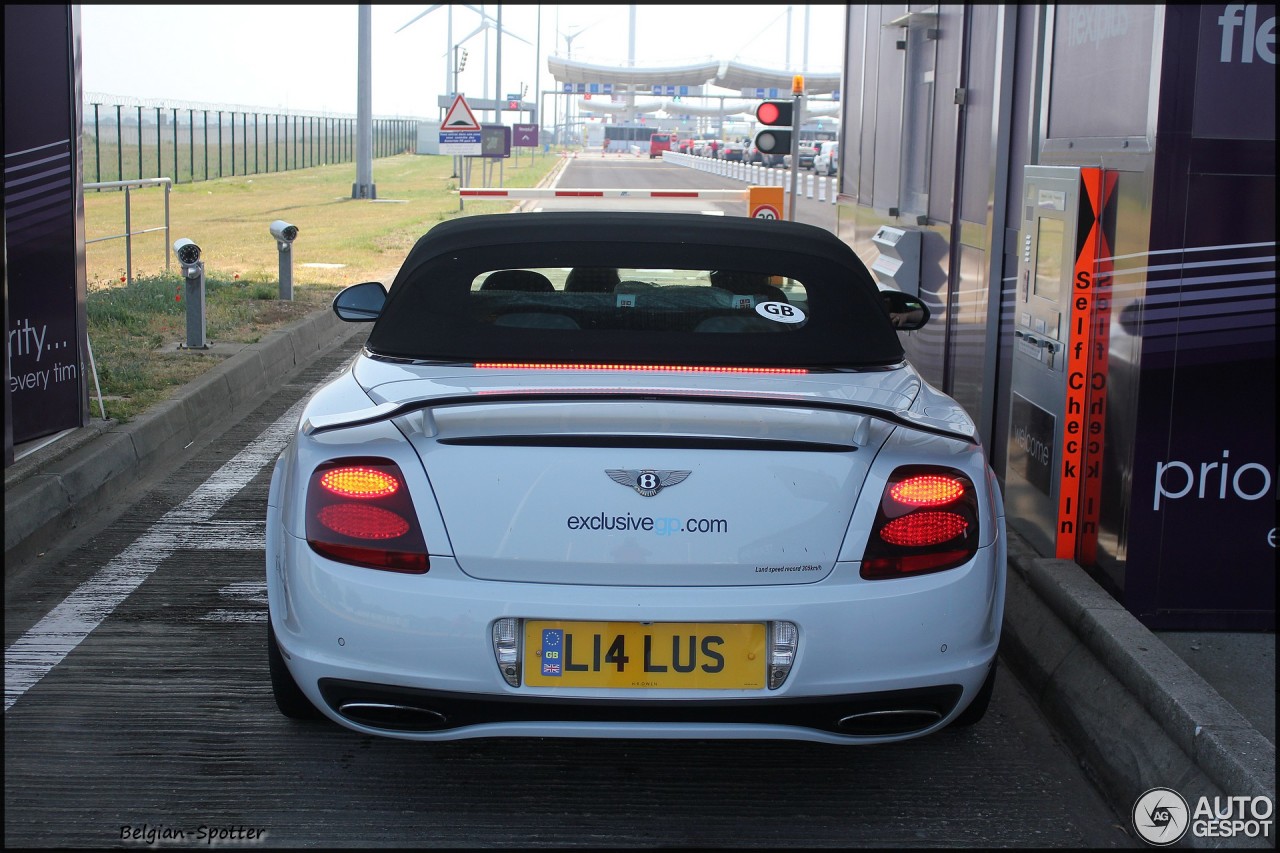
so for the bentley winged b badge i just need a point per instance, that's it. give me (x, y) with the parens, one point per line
(647, 483)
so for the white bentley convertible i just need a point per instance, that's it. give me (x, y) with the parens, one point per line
(634, 475)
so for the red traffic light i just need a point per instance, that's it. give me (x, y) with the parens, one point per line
(775, 113)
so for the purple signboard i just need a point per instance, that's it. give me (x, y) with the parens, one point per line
(45, 383)
(1202, 544)
(525, 136)
(1237, 55)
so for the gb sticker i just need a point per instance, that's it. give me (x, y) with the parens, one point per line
(780, 312)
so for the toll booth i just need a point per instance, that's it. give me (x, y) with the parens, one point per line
(1093, 187)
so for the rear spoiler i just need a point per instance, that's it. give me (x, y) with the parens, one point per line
(963, 430)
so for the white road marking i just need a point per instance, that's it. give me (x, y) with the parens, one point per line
(40, 649)
(245, 593)
(225, 536)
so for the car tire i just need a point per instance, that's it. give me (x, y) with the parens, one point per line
(978, 707)
(290, 699)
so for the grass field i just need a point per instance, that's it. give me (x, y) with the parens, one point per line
(135, 326)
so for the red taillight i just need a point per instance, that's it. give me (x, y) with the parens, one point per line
(360, 481)
(927, 522)
(363, 522)
(927, 490)
(359, 512)
(922, 529)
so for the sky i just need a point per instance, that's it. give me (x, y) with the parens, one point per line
(305, 57)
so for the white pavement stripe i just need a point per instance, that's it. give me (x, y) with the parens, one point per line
(51, 639)
(222, 536)
(240, 616)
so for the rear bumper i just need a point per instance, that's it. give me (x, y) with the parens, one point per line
(408, 711)
(900, 658)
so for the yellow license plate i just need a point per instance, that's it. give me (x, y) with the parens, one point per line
(640, 655)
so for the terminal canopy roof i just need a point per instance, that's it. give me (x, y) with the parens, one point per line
(726, 75)
(568, 71)
(735, 75)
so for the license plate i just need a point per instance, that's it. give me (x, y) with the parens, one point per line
(645, 655)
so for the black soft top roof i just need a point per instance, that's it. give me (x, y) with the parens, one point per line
(848, 326)
(664, 229)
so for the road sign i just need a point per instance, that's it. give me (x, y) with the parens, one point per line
(464, 142)
(459, 117)
(525, 136)
(764, 202)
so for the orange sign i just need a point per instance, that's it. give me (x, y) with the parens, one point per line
(764, 202)
(1084, 420)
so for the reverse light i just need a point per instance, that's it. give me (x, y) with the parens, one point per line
(506, 649)
(359, 512)
(927, 522)
(783, 639)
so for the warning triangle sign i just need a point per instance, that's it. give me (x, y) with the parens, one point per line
(459, 116)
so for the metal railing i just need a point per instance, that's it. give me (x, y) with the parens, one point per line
(129, 233)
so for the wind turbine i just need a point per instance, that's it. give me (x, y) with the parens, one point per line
(568, 42)
(487, 22)
(448, 71)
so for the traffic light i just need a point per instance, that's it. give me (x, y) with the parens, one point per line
(774, 114)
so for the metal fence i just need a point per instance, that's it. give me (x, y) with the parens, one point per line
(124, 142)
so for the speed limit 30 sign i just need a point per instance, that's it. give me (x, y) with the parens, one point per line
(764, 202)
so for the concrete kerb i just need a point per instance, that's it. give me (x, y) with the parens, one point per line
(1136, 713)
(51, 496)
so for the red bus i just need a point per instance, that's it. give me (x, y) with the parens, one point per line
(659, 142)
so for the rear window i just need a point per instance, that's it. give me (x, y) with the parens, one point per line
(637, 301)
(760, 309)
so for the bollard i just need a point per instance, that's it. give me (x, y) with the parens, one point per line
(285, 234)
(193, 275)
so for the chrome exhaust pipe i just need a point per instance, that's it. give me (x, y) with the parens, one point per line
(390, 715)
(892, 721)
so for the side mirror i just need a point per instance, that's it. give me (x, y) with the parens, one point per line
(907, 313)
(360, 303)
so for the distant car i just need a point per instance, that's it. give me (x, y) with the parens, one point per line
(732, 150)
(713, 501)
(808, 150)
(686, 146)
(753, 155)
(827, 160)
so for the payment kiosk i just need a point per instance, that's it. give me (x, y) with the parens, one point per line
(1058, 380)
